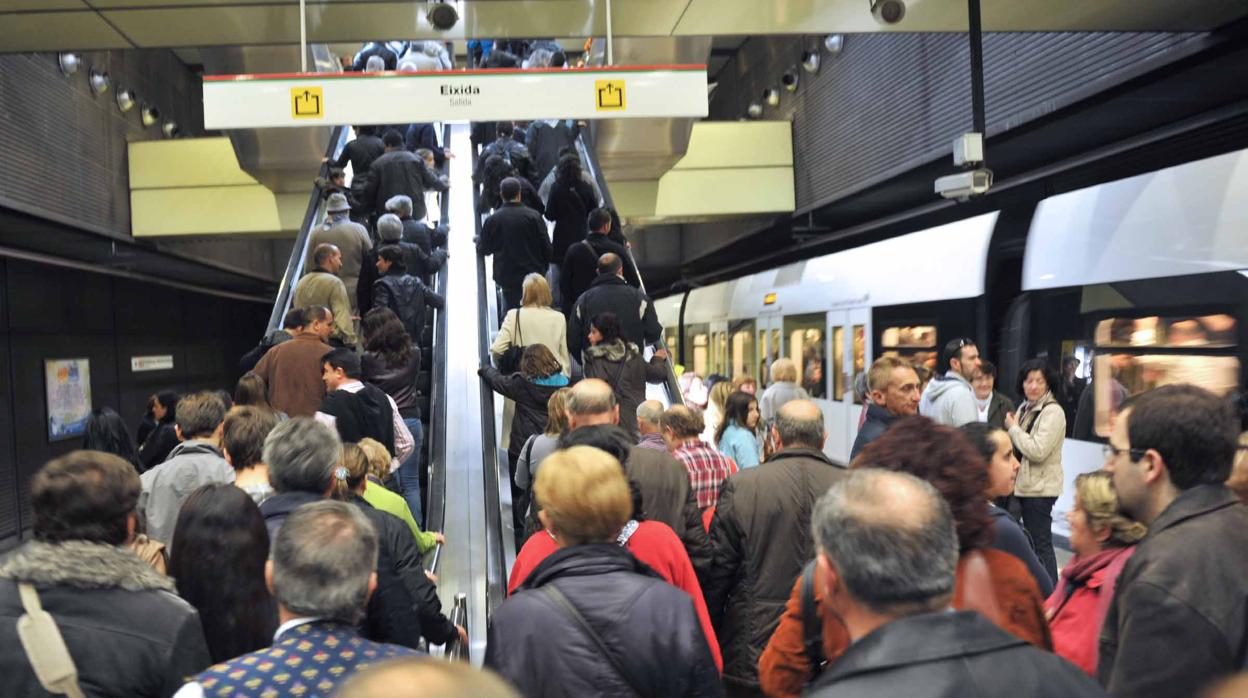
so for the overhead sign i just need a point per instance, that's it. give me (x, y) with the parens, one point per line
(160, 362)
(307, 99)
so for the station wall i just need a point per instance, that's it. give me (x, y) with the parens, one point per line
(56, 313)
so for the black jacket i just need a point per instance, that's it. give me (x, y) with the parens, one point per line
(580, 266)
(649, 626)
(516, 235)
(997, 409)
(126, 629)
(569, 207)
(639, 324)
(251, 358)
(1010, 537)
(361, 151)
(399, 383)
(516, 154)
(950, 655)
(760, 537)
(400, 172)
(158, 445)
(419, 264)
(362, 414)
(1178, 620)
(624, 368)
(424, 136)
(407, 296)
(418, 234)
(877, 422)
(530, 398)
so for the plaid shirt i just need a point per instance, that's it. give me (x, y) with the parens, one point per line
(653, 442)
(707, 469)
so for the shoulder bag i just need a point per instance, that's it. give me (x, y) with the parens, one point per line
(44, 646)
(509, 361)
(562, 601)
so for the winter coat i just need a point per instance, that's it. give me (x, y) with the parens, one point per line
(292, 371)
(424, 136)
(760, 537)
(568, 207)
(126, 629)
(627, 372)
(544, 139)
(639, 323)
(400, 172)
(740, 444)
(784, 667)
(649, 625)
(1177, 621)
(998, 406)
(516, 235)
(514, 153)
(419, 234)
(407, 297)
(416, 262)
(399, 382)
(580, 266)
(878, 421)
(538, 325)
(547, 184)
(949, 400)
(1038, 436)
(360, 151)
(352, 241)
(319, 287)
(361, 414)
(191, 465)
(949, 655)
(1010, 537)
(1076, 610)
(531, 398)
(775, 396)
(158, 445)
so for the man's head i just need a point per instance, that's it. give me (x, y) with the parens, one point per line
(339, 367)
(337, 177)
(894, 385)
(400, 205)
(783, 370)
(599, 221)
(799, 424)
(509, 189)
(390, 258)
(985, 381)
(592, 402)
(318, 320)
(505, 129)
(293, 321)
(327, 257)
(85, 495)
(390, 228)
(1169, 440)
(393, 140)
(243, 433)
(886, 546)
(323, 562)
(199, 416)
(610, 263)
(301, 454)
(584, 496)
(960, 356)
(680, 424)
(425, 677)
(649, 413)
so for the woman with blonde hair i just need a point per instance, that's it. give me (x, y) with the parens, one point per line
(1103, 539)
(714, 413)
(538, 446)
(557, 634)
(534, 322)
(376, 465)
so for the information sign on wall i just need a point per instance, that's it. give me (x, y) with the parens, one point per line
(294, 99)
(160, 362)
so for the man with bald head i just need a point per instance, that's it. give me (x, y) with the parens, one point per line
(321, 286)
(608, 292)
(648, 415)
(760, 537)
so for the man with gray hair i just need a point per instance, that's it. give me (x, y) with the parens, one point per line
(648, 415)
(887, 552)
(760, 536)
(320, 573)
(414, 229)
(349, 237)
(416, 261)
(304, 467)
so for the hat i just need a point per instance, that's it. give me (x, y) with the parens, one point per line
(338, 203)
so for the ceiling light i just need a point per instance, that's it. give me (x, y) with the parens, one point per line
(149, 115)
(810, 61)
(69, 63)
(790, 79)
(833, 43)
(771, 96)
(755, 110)
(99, 82)
(125, 100)
(170, 129)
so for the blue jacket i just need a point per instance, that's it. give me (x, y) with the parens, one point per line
(739, 444)
(878, 421)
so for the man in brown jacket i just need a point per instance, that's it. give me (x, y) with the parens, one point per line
(292, 369)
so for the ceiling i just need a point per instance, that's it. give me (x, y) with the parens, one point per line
(47, 25)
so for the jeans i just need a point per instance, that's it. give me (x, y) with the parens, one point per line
(409, 472)
(1038, 520)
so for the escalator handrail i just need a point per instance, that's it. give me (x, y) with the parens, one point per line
(311, 218)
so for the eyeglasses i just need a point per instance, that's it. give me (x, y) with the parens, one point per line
(1111, 451)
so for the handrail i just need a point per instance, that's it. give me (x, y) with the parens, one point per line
(311, 218)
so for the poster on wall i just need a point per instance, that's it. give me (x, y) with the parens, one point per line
(69, 397)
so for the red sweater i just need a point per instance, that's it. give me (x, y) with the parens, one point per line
(655, 544)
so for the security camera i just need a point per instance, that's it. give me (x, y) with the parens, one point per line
(964, 185)
(442, 15)
(888, 11)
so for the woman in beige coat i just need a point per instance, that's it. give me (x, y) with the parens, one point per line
(1038, 432)
(538, 323)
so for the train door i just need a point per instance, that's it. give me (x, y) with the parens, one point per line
(770, 347)
(849, 335)
(742, 357)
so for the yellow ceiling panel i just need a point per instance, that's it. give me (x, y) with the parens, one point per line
(52, 31)
(208, 26)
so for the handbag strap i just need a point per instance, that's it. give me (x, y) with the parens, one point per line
(557, 596)
(44, 646)
(519, 332)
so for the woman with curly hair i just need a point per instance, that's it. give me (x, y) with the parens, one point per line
(990, 581)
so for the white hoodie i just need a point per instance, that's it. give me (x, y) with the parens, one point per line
(949, 400)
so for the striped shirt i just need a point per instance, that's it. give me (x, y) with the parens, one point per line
(707, 468)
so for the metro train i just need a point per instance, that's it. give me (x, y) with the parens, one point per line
(1144, 279)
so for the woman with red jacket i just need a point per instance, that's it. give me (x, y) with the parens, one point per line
(1103, 539)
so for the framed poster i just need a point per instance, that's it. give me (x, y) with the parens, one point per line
(68, 387)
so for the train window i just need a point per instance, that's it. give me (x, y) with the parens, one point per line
(909, 337)
(1119, 376)
(721, 356)
(838, 360)
(806, 348)
(671, 339)
(741, 347)
(767, 355)
(697, 349)
(1209, 331)
(860, 357)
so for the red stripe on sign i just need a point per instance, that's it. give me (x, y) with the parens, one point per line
(452, 73)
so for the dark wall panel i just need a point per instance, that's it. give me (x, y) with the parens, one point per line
(9, 498)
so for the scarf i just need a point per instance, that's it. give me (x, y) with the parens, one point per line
(557, 380)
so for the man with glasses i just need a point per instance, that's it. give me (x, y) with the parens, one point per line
(1177, 622)
(949, 398)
